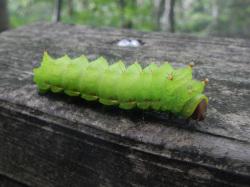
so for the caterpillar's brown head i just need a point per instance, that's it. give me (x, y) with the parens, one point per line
(200, 111)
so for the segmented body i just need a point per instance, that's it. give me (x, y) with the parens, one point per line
(161, 88)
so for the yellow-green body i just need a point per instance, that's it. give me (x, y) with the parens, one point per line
(161, 88)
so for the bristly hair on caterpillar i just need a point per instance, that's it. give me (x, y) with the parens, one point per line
(160, 88)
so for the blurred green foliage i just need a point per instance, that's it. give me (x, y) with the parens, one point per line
(214, 17)
(203, 17)
(110, 13)
(24, 12)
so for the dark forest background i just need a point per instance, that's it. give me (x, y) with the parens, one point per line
(228, 18)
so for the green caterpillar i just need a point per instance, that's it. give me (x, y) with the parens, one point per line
(161, 88)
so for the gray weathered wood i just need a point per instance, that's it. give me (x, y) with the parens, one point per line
(7, 182)
(55, 140)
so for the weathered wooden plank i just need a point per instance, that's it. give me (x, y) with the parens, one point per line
(7, 182)
(61, 140)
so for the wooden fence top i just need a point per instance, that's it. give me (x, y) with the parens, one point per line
(216, 150)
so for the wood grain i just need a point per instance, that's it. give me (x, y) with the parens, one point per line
(55, 140)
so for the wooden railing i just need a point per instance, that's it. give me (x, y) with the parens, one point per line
(55, 140)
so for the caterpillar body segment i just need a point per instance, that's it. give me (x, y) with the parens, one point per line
(161, 88)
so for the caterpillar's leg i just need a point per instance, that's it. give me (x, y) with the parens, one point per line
(89, 97)
(56, 89)
(71, 93)
(143, 105)
(108, 101)
(127, 105)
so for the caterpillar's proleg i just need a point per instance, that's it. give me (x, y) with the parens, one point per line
(161, 88)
